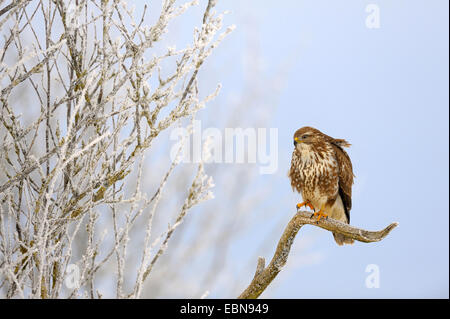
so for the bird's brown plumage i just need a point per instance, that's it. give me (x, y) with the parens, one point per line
(322, 172)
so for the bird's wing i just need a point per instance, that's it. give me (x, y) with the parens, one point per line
(345, 177)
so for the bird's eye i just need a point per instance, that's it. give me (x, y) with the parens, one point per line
(305, 136)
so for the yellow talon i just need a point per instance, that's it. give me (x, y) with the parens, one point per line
(305, 203)
(320, 213)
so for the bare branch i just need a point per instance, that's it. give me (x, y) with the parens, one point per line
(263, 277)
(10, 6)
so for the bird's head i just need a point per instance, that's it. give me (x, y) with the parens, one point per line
(305, 137)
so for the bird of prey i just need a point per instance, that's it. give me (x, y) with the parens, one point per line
(322, 172)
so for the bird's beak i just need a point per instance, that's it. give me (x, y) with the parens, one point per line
(296, 140)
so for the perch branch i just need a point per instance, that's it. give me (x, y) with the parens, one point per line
(264, 276)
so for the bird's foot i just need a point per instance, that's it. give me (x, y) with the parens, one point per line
(320, 213)
(305, 203)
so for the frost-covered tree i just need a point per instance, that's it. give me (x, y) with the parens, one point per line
(86, 89)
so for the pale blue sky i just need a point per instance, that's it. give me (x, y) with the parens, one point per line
(386, 91)
(315, 63)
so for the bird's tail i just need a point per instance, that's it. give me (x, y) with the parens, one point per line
(341, 239)
(340, 212)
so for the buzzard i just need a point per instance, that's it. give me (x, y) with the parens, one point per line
(322, 172)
